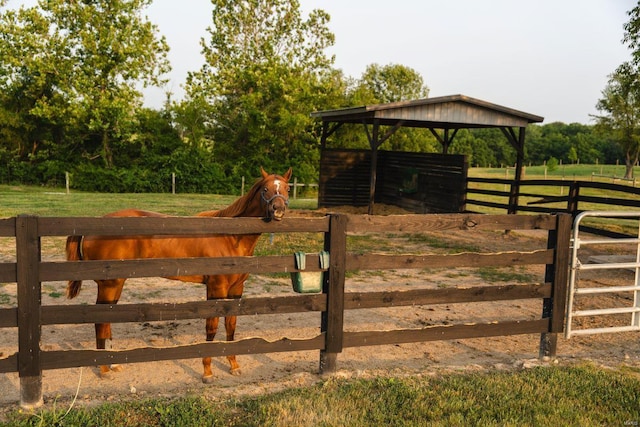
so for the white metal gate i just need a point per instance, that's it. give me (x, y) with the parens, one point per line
(606, 263)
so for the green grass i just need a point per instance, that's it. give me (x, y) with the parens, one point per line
(583, 172)
(542, 396)
(52, 202)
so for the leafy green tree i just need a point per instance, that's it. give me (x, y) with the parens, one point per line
(393, 82)
(620, 104)
(265, 71)
(81, 62)
(382, 84)
(35, 104)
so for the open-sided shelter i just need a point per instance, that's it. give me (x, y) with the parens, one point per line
(418, 175)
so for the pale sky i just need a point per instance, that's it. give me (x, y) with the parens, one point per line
(546, 57)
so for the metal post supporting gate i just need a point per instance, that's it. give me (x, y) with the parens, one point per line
(577, 266)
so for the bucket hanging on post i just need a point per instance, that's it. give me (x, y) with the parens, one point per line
(309, 281)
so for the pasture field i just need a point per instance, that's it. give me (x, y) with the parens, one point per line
(466, 382)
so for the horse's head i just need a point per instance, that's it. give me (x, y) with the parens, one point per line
(275, 194)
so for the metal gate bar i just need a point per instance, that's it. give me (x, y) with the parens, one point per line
(577, 266)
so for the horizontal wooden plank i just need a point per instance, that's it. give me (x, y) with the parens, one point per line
(447, 332)
(65, 226)
(7, 227)
(119, 313)
(440, 222)
(8, 272)
(58, 359)
(9, 363)
(171, 267)
(8, 317)
(487, 192)
(358, 300)
(372, 261)
(610, 201)
(504, 206)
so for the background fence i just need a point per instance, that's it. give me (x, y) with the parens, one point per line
(550, 196)
(29, 271)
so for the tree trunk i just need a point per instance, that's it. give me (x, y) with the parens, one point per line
(630, 160)
(107, 154)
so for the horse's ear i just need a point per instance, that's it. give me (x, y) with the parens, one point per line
(287, 174)
(264, 173)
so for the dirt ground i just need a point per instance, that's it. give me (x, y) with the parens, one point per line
(263, 373)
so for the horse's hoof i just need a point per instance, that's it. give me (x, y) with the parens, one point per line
(106, 375)
(116, 368)
(236, 372)
(207, 379)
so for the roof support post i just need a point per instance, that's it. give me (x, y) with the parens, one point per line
(517, 141)
(374, 143)
(444, 140)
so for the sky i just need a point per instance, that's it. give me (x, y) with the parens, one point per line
(551, 58)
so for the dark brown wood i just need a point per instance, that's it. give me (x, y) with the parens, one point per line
(119, 313)
(448, 332)
(440, 222)
(9, 363)
(383, 261)
(332, 321)
(7, 227)
(357, 300)
(29, 272)
(53, 226)
(8, 272)
(73, 358)
(440, 180)
(554, 306)
(560, 272)
(572, 200)
(29, 301)
(170, 267)
(8, 317)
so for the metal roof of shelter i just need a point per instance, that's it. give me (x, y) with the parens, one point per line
(444, 112)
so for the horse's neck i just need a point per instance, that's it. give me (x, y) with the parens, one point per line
(249, 205)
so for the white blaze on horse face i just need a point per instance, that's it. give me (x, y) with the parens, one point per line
(277, 183)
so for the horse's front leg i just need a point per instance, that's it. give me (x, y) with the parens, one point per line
(212, 329)
(230, 327)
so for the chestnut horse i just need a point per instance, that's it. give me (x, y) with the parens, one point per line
(267, 198)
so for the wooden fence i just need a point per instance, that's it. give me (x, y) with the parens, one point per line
(551, 196)
(417, 182)
(29, 271)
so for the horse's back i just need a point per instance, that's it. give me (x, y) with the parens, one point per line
(135, 213)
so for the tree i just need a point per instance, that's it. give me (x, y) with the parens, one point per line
(383, 84)
(265, 70)
(393, 82)
(82, 62)
(620, 103)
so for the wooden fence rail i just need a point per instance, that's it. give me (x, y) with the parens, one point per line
(551, 196)
(29, 271)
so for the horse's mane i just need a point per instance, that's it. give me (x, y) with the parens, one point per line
(238, 207)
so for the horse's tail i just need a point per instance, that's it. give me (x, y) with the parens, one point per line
(74, 253)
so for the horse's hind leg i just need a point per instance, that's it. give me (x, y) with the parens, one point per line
(212, 329)
(108, 293)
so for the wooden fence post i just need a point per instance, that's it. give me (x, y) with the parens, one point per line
(572, 198)
(29, 300)
(333, 318)
(558, 274)
(514, 191)
(295, 188)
